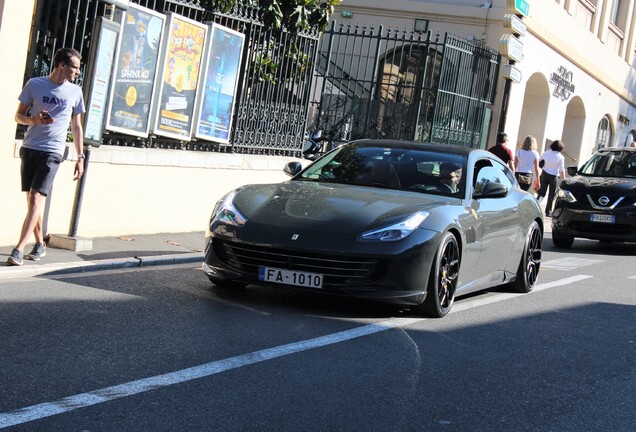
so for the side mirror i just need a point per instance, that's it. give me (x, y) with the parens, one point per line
(293, 168)
(492, 190)
(572, 171)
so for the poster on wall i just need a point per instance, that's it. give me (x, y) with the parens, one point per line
(135, 71)
(100, 69)
(217, 91)
(181, 64)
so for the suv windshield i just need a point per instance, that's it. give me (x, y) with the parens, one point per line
(611, 164)
(402, 168)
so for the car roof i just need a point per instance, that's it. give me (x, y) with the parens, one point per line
(616, 149)
(416, 145)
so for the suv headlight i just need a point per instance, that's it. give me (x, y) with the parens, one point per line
(396, 231)
(567, 196)
(226, 212)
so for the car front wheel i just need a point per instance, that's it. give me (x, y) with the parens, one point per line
(530, 261)
(443, 279)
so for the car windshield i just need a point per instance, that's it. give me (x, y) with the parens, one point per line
(611, 164)
(402, 168)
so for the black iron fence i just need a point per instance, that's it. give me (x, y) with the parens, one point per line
(466, 87)
(395, 84)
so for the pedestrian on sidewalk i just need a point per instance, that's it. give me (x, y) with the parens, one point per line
(553, 167)
(527, 163)
(47, 106)
(501, 150)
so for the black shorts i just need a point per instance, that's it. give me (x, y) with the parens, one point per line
(38, 170)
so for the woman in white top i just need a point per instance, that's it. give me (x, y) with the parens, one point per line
(527, 163)
(553, 166)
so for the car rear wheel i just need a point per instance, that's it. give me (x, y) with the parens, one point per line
(562, 241)
(530, 261)
(443, 279)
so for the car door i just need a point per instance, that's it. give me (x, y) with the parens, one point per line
(497, 220)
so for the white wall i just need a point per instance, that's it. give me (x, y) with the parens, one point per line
(15, 23)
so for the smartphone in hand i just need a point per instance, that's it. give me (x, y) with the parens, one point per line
(46, 115)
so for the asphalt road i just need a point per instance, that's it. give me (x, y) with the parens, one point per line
(158, 349)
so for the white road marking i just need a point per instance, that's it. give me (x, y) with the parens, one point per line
(631, 277)
(71, 403)
(478, 302)
(561, 282)
(570, 263)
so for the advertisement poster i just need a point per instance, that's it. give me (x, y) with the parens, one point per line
(218, 87)
(100, 72)
(185, 41)
(135, 71)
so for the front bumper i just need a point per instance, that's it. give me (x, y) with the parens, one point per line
(400, 275)
(577, 223)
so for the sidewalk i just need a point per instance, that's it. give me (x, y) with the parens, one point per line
(110, 253)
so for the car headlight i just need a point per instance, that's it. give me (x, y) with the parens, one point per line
(565, 195)
(226, 212)
(396, 231)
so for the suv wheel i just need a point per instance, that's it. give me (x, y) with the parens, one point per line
(562, 241)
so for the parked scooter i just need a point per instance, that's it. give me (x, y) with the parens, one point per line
(315, 145)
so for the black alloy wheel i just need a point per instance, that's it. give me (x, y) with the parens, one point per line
(530, 263)
(443, 279)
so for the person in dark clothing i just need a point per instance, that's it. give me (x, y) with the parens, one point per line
(553, 169)
(502, 151)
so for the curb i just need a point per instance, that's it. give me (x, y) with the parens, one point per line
(92, 266)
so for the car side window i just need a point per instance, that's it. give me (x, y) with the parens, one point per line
(631, 166)
(487, 171)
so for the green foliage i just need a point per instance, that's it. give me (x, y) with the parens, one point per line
(297, 15)
(264, 67)
(293, 15)
(218, 5)
(278, 15)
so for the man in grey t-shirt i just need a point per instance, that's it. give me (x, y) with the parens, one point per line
(54, 102)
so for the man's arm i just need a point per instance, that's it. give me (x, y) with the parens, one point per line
(22, 118)
(78, 141)
(511, 159)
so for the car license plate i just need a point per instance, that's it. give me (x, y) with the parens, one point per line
(602, 218)
(290, 277)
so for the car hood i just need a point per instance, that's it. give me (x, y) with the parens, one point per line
(344, 208)
(600, 185)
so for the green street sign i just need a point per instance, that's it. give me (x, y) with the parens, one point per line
(521, 7)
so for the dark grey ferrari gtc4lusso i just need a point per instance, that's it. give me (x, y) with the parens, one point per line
(402, 222)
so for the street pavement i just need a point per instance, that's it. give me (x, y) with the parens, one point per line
(110, 253)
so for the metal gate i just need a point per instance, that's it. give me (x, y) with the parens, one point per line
(402, 85)
(270, 115)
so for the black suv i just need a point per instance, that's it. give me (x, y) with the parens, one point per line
(599, 201)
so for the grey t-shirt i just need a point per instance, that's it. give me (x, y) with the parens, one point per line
(61, 101)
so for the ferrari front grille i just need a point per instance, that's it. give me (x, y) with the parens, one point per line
(247, 258)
